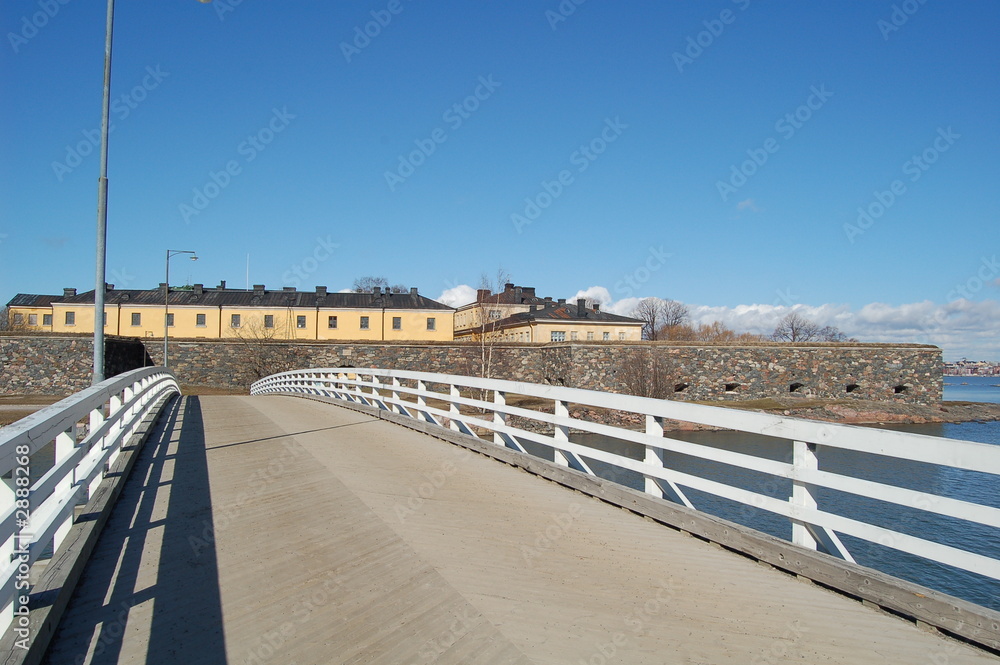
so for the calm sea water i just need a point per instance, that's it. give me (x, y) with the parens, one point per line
(967, 485)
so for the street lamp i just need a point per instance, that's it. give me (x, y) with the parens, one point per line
(166, 296)
(102, 205)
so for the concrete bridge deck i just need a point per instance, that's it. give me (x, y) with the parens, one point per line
(283, 530)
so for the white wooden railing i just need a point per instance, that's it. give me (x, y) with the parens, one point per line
(471, 404)
(87, 431)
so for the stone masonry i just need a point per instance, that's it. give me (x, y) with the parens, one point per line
(54, 364)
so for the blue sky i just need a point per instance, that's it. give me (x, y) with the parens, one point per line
(716, 153)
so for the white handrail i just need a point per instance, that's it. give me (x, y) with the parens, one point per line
(813, 527)
(88, 430)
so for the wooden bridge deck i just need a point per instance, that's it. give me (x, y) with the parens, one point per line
(282, 530)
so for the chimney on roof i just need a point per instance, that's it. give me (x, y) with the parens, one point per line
(377, 290)
(517, 294)
(482, 295)
(288, 289)
(222, 284)
(321, 291)
(509, 286)
(597, 307)
(548, 301)
(198, 289)
(69, 293)
(532, 308)
(109, 287)
(581, 307)
(413, 290)
(258, 289)
(163, 285)
(528, 291)
(562, 301)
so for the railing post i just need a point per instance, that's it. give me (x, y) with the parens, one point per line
(7, 501)
(65, 445)
(453, 408)
(499, 417)
(421, 400)
(561, 433)
(654, 456)
(803, 459)
(394, 407)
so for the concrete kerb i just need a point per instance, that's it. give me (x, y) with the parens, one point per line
(929, 609)
(55, 587)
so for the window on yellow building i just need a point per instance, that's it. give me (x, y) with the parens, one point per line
(558, 336)
(18, 319)
(269, 320)
(331, 322)
(364, 323)
(300, 321)
(606, 337)
(170, 320)
(574, 335)
(234, 321)
(46, 319)
(397, 323)
(621, 336)
(199, 320)
(431, 323)
(71, 318)
(590, 337)
(32, 319)
(136, 319)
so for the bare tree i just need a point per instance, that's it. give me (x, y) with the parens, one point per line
(13, 322)
(834, 334)
(660, 317)
(488, 332)
(645, 373)
(261, 353)
(650, 312)
(795, 328)
(675, 313)
(369, 282)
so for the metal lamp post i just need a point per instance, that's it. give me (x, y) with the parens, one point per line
(166, 297)
(102, 205)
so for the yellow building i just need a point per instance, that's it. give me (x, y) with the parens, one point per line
(555, 322)
(221, 313)
(491, 307)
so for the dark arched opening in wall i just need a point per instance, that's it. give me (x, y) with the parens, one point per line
(851, 387)
(796, 387)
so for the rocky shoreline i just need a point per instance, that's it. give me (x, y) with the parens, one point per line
(878, 413)
(847, 412)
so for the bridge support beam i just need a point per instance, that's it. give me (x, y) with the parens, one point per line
(561, 433)
(803, 458)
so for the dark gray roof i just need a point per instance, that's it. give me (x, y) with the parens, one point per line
(31, 300)
(217, 297)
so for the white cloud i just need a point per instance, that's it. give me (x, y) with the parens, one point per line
(457, 296)
(747, 204)
(598, 294)
(961, 327)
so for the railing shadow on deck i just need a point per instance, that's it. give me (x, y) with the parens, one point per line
(186, 622)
